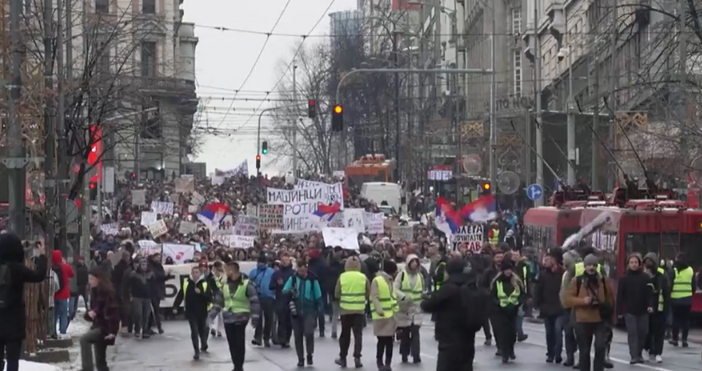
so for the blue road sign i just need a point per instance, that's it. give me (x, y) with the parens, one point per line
(534, 192)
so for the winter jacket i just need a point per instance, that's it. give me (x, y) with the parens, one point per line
(54, 286)
(509, 285)
(320, 269)
(574, 299)
(446, 304)
(262, 278)
(305, 291)
(282, 274)
(351, 265)
(13, 318)
(118, 275)
(158, 284)
(382, 326)
(106, 307)
(547, 292)
(195, 303)
(634, 294)
(67, 273)
(139, 284)
(230, 317)
(410, 312)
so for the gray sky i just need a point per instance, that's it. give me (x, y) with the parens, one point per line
(224, 59)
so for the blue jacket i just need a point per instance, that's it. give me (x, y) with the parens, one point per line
(308, 293)
(262, 279)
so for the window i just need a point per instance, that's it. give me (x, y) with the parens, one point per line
(148, 59)
(102, 6)
(148, 6)
(151, 120)
(517, 73)
(516, 21)
(103, 57)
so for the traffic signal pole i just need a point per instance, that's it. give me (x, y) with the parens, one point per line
(258, 130)
(459, 71)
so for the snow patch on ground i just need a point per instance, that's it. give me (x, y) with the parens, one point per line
(34, 366)
(78, 327)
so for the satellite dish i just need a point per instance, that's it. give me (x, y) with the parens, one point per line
(472, 164)
(508, 182)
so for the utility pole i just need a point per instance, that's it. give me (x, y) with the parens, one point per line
(595, 181)
(570, 107)
(436, 12)
(396, 51)
(681, 113)
(493, 98)
(537, 97)
(62, 159)
(17, 160)
(49, 129)
(294, 125)
(612, 173)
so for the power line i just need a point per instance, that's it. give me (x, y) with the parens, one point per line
(260, 53)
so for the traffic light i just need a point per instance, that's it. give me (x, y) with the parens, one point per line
(486, 188)
(311, 109)
(337, 118)
(264, 147)
(93, 191)
(258, 162)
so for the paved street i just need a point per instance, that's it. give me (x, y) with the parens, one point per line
(172, 352)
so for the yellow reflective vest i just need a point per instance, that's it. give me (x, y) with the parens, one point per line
(239, 301)
(439, 281)
(386, 299)
(580, 269)
(661, 299)
(495, 240)
(682, 284)
(414, 292)
(504, 299)
(353, 291)
(186, 283)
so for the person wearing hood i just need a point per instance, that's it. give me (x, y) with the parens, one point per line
(13, 276)
(319, 268)
(634, 294)
(383, 308)
(305, 305)
(409, 287)
(197, 295)
(282, 310)
(215, 280)
(681, 299)
(508, 294)
(79, 287)
(547, 300)
(63, 295)
(139, 285)
(455, 335)
(352, 290)
(488, 276)
(119, 276)
(158, 290)
(261, 276)
(660, 288)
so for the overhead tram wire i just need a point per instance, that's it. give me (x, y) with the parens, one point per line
(287, 69)
(258, 58)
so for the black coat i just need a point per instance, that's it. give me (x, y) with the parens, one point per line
(195, 303)
(547, 292)
(13, 318)
(447, 306)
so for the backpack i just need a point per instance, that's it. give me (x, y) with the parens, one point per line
(5, 286)
(59, 274)
(474, 299)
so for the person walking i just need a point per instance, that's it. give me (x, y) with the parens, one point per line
(681, 299)
(238, 302)
(215, 280)
(282, 311)
(104, 315)
(13, 276)
(305, 305)
(660, 289)
(262, 276)
(352, 290)
(508, 295)
(409, 288)
(63, 295)
(139, 284)
(547, 300)
(197, 295)
(634, 294)
(158, 291)
(383, 308)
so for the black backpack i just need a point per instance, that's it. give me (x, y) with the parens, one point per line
(474, 299)
(5, 286)
(59, 275)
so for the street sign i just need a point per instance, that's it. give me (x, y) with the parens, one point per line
(534, 192)
(508, 182)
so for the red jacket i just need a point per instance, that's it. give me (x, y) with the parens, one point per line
(67, 272)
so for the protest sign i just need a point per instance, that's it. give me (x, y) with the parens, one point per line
(246, 226)
(179, 253)
(270, 217)
(301, 183)
(184, 185)
(355, 219)
(158, 229)
(299, 204)
(162, 207)
(347, 238)
(403, 233)
(241, 242)
(148, 247)
(197, 199)
(471, 234)
(148, 218)
(375, 223)
(251, 210)
(187, 228)
(138, 197)
(110, 229)
(192, 209)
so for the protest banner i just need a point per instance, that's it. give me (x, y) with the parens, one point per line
(197, 199)
(270, 217)
(158, 229)
(138, 197)
(110, 229)
(186, 228)
(184, 185)
(403, 233)
(148, 218)
(241, 242)
(179, 253)
(375, 223)
(355, 219)
(246, 226)
(347, 238)
(162, 207)
(471, 234)
(300, 204)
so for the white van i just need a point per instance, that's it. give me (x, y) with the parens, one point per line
(382, 192)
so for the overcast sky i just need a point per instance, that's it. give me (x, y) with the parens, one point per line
(224, 59)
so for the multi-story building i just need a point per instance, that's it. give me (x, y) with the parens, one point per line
(345, 25)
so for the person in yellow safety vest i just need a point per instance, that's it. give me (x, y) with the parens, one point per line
(352, 290)
(494, 234)
(521, 269)
(196, 294)
(681, 298)
(507, 291)
(238, 302)
(383, 308)
(660, 288)
(215, 281)
(409, 287)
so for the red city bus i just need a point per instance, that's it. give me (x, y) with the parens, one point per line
(662, 227)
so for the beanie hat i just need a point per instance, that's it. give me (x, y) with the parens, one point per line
(389, 267)
(557, 254)
(507, 264)
(455, 266)
(591, 260)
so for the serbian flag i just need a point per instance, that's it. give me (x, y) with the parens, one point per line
(447, 219)
(327, 212)
(481, 210)
(211, 215)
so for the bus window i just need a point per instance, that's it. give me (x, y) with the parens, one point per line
(669, 246)
(642, 243)
(569, 231)
(606, 243)
(690, 245)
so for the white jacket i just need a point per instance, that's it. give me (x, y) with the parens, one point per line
(54, 286)
(410, 312)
